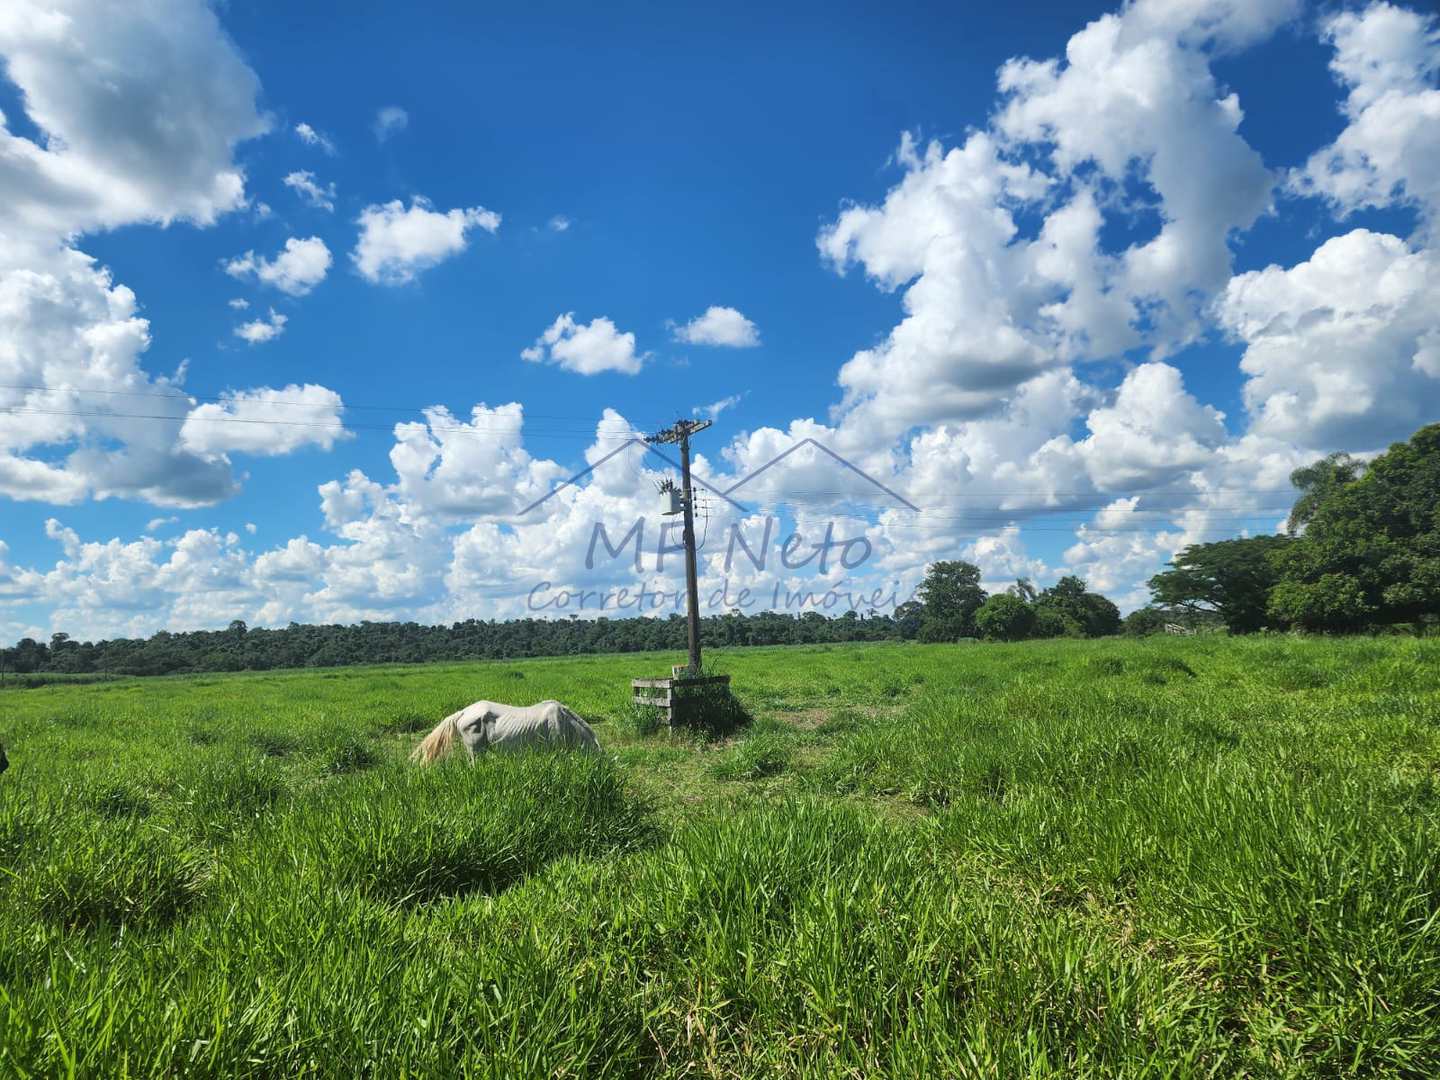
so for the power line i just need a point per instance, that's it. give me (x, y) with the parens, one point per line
(584, 427)
(1088, 527)
(1236, 512)
(1106, 499)
(338, 426)
(980, 517)
(1048, 491)
(190, 398)
(522, 426)
(1068, 530)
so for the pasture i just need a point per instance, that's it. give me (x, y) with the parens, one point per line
(1177, 857)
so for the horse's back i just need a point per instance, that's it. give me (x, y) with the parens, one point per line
(550, 722)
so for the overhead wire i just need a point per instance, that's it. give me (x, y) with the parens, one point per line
(224, 398)
(990, 493)
(337, 426)
(584, 428)
(704, 505)
(982, 518)
(958, 511)
(997, 519)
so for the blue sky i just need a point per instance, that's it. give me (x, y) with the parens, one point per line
(1020, 291)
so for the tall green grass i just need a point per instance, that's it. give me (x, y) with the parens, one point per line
(1205, 857)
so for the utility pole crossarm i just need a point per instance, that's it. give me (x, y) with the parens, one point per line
(680, 432)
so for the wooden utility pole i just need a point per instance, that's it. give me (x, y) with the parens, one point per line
(687, 696)
(680, 432)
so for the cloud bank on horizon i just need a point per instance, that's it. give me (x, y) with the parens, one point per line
(983, 404)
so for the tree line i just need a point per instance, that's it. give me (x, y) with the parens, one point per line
(1361, 550)
(243, 648)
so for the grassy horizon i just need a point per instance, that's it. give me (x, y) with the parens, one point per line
(1179, 856)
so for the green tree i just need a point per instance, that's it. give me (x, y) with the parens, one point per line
(951, 594)
(1145, 621)
(1231, 578)
(1049, 623)
(1316, 483)
(1104, 617)
(1370, 552)
(1334, 602)
(1081, 612)
(908, 618)
(1004, 617)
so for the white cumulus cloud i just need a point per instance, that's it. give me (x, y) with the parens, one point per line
(1342, 350)
(141, 107)
(719, 326)
(454, 468)
(398, 242)
(1151, 433)
(259, 331)
(266, 422)
(295, 270)
(1387, 58)
(139, 110)
(586, 348)
(989, 304)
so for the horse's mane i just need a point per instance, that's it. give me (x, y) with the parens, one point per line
(437, 743)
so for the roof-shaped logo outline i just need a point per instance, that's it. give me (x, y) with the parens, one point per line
(619, 449)
(807, 441)
(733, 487)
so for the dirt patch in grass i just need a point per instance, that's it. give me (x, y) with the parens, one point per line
(805, 719)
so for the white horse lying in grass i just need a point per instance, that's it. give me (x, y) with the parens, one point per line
(489, 725)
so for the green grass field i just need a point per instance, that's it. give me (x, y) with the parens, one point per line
(1178, 857)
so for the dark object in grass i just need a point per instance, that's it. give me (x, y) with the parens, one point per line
(350, 756)
(4, 761)
(274, 743)
(120, 800)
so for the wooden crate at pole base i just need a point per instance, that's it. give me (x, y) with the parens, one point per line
(678, 696)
